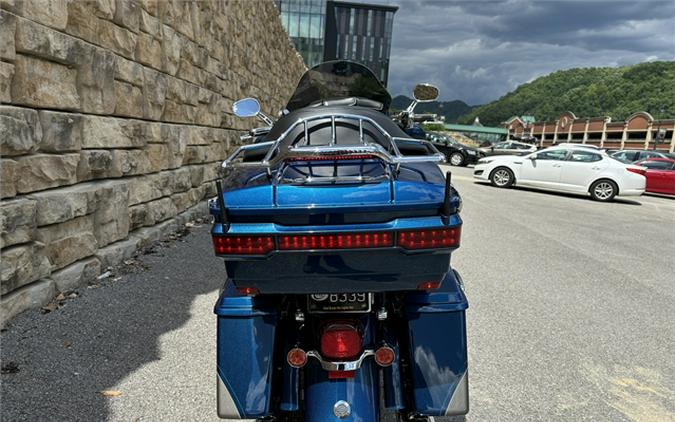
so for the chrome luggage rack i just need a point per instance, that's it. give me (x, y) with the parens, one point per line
(302, 148)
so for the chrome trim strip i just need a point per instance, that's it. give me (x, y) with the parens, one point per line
(459, 402)
(341, 366)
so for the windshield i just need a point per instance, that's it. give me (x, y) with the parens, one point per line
(338, 79)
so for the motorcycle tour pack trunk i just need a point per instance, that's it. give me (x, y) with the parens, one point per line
(363, 223)
(334, 198)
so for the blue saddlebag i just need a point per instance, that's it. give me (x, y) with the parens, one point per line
(438, 354)
(246, 330)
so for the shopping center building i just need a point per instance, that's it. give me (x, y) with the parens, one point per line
(638, 131)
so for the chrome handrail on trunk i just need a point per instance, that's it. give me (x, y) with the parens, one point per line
(305, 149)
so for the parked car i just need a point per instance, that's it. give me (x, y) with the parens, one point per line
(568, 169)
(456, 153)
(634, 155)
(660, 175)
(508, 148)
(528, 139)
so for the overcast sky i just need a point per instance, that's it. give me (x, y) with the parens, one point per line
(477, 51)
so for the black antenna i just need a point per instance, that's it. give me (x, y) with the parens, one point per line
(221, 205)
(445, 211)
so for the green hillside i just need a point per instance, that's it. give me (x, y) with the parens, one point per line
(450, 109)
(588, 92)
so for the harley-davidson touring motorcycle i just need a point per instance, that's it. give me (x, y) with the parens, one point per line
(337, 229)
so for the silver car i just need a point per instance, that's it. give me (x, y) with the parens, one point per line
(509, 148)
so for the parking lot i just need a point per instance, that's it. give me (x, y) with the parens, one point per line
(570, 318)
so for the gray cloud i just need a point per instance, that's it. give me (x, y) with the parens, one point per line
(478, 51)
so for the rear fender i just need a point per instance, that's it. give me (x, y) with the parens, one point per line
(360, 393)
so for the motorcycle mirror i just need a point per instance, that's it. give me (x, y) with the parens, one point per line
(247, 107)
(425, 92)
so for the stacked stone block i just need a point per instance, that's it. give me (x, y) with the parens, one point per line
(115, 115)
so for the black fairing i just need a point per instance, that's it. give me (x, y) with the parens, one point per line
(338, 79)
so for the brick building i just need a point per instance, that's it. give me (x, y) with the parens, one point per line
(638, 131)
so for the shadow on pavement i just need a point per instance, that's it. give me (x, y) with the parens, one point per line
(65, 358)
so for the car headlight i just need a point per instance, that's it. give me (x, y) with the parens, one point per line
(484, 161)
(471, 152)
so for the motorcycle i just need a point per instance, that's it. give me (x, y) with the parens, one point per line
(337, 229)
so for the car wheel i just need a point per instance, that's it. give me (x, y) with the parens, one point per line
(603, 190)
(456, 159)
(502, 177)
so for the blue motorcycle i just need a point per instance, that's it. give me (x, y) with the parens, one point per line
(337, 229)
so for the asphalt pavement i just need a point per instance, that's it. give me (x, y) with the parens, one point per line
(572, 317)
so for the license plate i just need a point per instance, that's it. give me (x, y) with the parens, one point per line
(339, 302)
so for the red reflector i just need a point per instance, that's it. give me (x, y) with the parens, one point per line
(248, 291)
(296, 357)
(335, 375)
(243, 245)
(639, 171)
(332, 157)
(336, 241)
(384, 356)
(340, 341)
(430, 239)
(429, 285)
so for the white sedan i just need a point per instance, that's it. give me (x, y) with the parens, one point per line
(568, 169)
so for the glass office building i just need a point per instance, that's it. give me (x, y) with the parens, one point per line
(330, 30)
(305, 23)
(360, 32)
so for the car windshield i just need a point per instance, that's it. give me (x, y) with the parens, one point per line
(338, 79)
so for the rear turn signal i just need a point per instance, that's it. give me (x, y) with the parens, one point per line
(430, 239)
(384, 356)
(296, 357)
(243, 245)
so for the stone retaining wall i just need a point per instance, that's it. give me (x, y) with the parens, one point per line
(115, 116)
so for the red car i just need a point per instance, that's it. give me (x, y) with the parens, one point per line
(660, 175)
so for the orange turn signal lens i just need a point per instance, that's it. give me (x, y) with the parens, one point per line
(296, 357)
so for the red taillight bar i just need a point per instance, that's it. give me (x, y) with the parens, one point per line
(410, 239)
(336, 241)
(243, 245)
(430, 239)
(328, 157)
